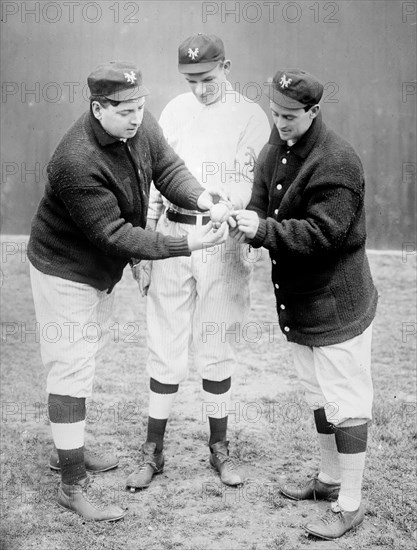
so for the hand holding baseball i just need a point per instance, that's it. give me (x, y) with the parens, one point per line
(247, 222)
(222, 212)
(208, 197)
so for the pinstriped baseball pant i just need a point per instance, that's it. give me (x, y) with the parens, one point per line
(198, 303)
(74, 320)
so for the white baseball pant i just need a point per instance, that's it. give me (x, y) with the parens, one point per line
(338, 377)
(202, 301)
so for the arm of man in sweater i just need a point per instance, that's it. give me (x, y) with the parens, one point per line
(332, 205)
(95, 210)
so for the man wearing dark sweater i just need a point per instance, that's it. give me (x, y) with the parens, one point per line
(88, 225)
(307, 209)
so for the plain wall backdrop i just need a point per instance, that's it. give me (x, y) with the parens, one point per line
(363, 51)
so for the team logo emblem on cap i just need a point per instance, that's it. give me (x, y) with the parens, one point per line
(284, 82)
(130, 77)
(193, 54)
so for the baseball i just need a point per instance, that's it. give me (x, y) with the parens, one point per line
(219, 212)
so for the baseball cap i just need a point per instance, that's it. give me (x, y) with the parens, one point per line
(200, 53)
(294, 89)
(117, 80)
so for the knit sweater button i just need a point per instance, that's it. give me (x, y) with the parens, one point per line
(282, 306)
(274, 262)
(279, 187)
(276, 211)
(276, 286)
(284, 161)
(287, 329)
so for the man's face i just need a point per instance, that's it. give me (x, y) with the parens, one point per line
(292, 124)
(209, 87)
(122, 121)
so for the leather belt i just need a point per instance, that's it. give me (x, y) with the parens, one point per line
(187, 218)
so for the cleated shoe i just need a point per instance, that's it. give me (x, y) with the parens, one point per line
(93, 461)
(335, 522)
(314, 490)
(82, 498)
(221, 461)
(151, 463)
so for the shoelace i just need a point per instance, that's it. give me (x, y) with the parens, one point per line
(92, 493)
(148, 462)
(331, 516)
(224, 459)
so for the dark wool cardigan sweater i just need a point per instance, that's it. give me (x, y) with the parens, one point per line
(311, 200)
(90, 220)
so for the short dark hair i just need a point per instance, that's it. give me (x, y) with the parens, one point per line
(104, 101)
(308, 107)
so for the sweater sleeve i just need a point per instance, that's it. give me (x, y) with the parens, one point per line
(95, 211)
(330, 211)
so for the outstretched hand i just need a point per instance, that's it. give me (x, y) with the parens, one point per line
(247, 222)
(207, 235)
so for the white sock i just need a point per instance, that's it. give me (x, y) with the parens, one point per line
(351, 467)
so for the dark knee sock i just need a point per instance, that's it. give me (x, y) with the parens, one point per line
(218, 426)
(161, 397)
(67, 416)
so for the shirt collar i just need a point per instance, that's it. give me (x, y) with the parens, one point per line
(102, 136)
(304, 145)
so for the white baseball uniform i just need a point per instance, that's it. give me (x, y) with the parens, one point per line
(200, 302)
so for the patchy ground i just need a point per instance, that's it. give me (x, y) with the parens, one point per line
(271, 433)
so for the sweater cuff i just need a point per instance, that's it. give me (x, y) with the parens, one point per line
(194, 194)
(178, 246)
(259, 238)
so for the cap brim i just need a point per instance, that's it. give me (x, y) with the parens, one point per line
(129, 94)
(283, 100)
(194, 68)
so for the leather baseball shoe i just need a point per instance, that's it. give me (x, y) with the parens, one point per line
(335, 522)
(93, 461)
(314, 489)
(151, 463)
(224, 464)
(82, 498)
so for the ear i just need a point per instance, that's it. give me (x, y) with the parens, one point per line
(314, 111)
(97, 109)
(226, 66)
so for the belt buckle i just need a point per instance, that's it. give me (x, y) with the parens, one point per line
(199, 220)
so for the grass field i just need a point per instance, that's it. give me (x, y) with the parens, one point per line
(271, 433)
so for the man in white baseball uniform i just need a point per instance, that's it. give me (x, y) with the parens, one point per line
(198, 303)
